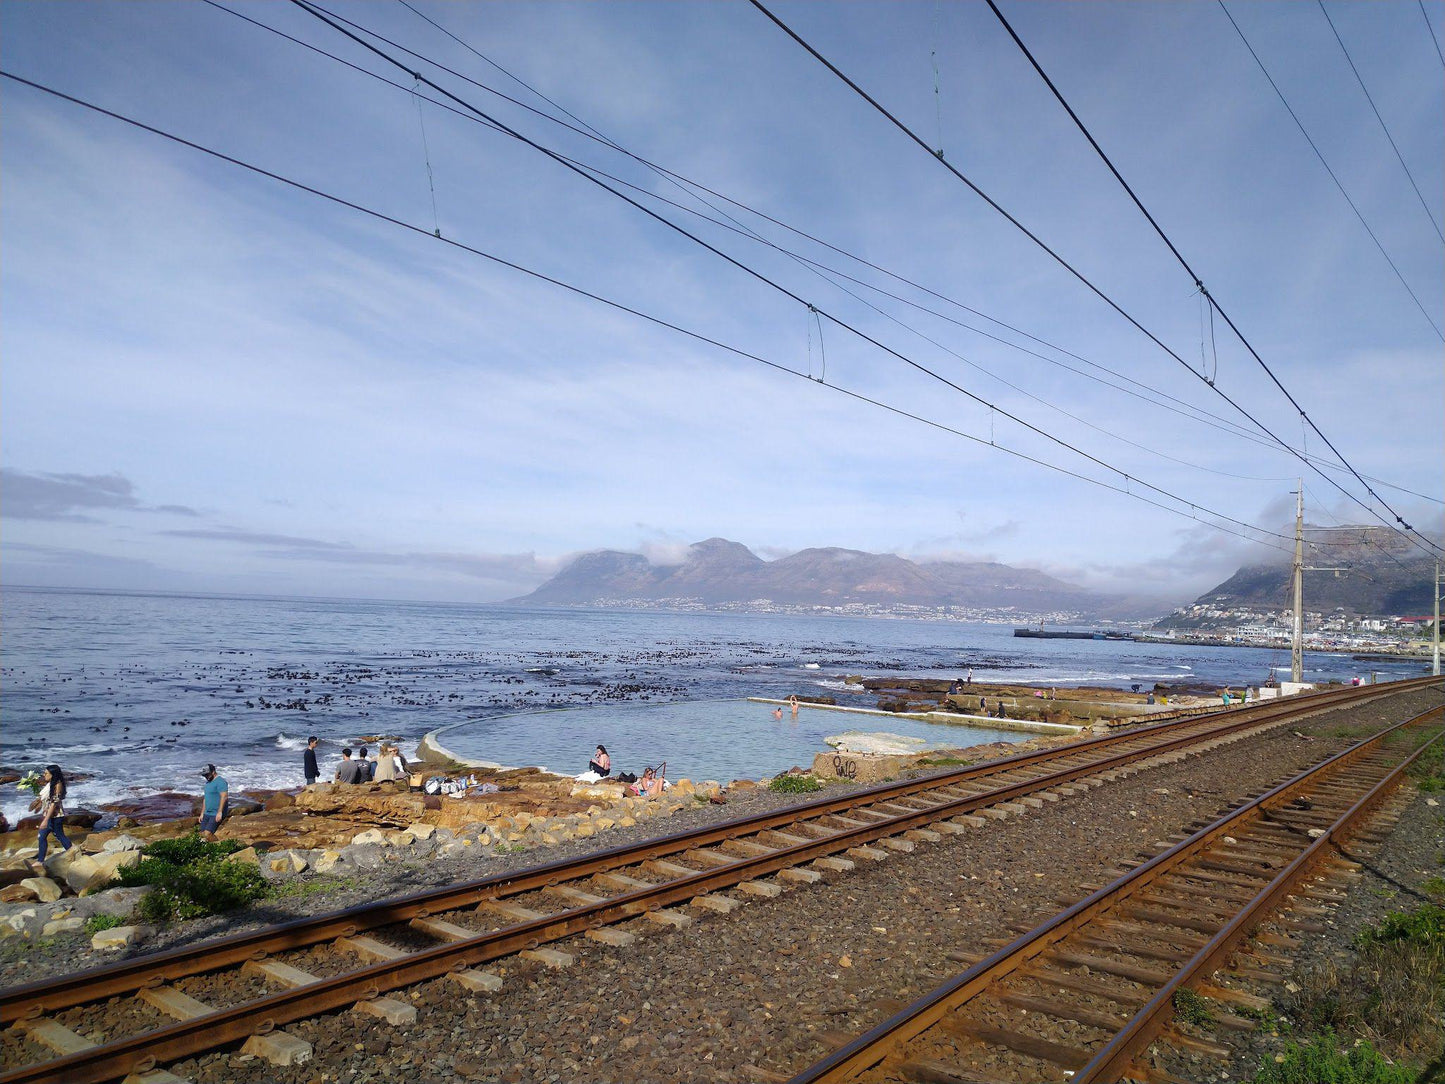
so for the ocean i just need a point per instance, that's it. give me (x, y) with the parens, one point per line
(139, 691)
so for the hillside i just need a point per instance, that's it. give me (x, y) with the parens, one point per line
(717, 572)
(1380, 577)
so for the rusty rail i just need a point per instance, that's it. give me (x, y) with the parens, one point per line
(1111, 1062)
(224, 1026)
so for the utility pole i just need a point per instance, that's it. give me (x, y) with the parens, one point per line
(1436, 668)
(1297, 642)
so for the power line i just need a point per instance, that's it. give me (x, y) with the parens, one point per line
(1065, 264)
(1318, 154)
(1204, 418)
(313, 9)
(1383, 126)
(1217, 521)
(1430, 28)
(1185, 263)
(1184, 409)
(588, 132)
(686, 183)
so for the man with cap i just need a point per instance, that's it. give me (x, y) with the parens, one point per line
(213, 802)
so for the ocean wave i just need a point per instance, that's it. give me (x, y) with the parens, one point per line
(833, 683)
(283, 742)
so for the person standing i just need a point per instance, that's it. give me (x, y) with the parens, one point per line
(50, 804)
(308, 761)
(213, 802)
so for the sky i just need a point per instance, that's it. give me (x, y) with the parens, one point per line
(212, 381)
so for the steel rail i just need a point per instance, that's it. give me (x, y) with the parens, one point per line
(128, 976)
(1113, 1060)
(857, 1057)
(137, 1053)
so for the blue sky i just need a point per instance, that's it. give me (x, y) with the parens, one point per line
(212, 382)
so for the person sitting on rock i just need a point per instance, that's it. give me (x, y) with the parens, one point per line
(386, 770)
(50, 804)
(600, 763)
(366, 769)
(350, 770)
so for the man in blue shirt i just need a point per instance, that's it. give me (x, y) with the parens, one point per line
(213, 802)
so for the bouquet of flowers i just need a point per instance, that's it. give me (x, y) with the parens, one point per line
(31, 781)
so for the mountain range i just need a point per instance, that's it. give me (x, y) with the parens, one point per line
(717, 571)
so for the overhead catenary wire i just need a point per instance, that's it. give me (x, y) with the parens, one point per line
(1383, 126)
(1330, 170)
(1417, 539)
(586, 130)
(684, 182)
(1187, 509)
(759, 276)
(1430, 29)
(1199, 284)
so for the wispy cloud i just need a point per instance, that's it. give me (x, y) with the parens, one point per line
(72, 497)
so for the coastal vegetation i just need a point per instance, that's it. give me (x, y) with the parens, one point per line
(192, 877)
(795, 784)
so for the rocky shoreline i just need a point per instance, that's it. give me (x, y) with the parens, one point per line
(309, 841)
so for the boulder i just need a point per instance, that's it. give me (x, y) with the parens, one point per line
(287, 862)
(108, 865)
(422, 830)
(62, 925)
(46, 890)
(859, 767)
(75, 869)
(20, 892)
(247, 855)
(240, 806)
(123, 843)
(119, 902)
(371, 835)
(120, 937)
(334, 862)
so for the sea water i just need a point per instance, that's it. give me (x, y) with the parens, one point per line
(140, 691)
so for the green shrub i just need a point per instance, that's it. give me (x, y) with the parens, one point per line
(1192, 1008)
(1433, 886)
(1424, 926)
(192, 877)
(795, 784)
(95, 923)
(1321, 1061)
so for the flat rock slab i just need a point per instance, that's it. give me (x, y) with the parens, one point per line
(279, 1048)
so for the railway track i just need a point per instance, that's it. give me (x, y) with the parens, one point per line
(1082, 996)
(453, 930)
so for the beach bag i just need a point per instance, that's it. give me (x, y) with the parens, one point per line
(625, 777)
(434, 784)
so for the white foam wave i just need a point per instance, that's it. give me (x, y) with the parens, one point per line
(833, 683)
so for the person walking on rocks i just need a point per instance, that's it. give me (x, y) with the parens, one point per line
(213, 802)
(308, 761)
(50, 804)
